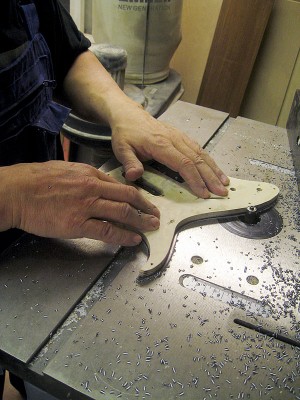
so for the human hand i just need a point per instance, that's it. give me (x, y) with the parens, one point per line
(136, 135)
(140, 137)
(71, 200)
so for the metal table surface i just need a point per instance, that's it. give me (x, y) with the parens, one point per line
(75, 321)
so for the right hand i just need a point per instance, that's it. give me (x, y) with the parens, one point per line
(71, 200)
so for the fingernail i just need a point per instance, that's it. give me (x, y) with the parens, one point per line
(225, 191)
(134, 173)
(155, 222)
(156, 211)
(206, 194)
(137, 239)
(153, 211)
(224, 179)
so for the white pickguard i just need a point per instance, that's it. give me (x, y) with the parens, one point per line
(178, 206)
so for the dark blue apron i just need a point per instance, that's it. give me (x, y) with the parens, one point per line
(30, 121)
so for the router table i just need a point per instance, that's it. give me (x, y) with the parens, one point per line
(221, 320)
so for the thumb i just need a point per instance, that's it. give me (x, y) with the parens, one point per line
(132, 165)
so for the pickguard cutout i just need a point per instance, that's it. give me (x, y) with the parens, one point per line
(179, 206)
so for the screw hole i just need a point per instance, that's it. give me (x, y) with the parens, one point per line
(252, 280)
(197, 260)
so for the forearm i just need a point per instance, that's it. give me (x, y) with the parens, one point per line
(93, 94)
(6, 189)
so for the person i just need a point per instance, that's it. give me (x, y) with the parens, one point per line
(46, 64)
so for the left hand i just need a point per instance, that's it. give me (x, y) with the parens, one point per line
(140, 137)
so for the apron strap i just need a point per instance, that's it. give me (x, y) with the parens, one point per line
(31, 19)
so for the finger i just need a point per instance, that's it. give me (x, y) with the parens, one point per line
(128, 194)
(133, 167)
(177, 161)
(109, 233)
(191, 166)
(125, 214)
(193, 148)
(205, 166)
(190, 173)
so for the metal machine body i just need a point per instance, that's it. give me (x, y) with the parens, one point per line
(220, 321)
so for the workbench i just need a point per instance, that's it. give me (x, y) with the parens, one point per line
(221, 320)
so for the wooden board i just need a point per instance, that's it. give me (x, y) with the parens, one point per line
(236, 42)
(178, 207)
